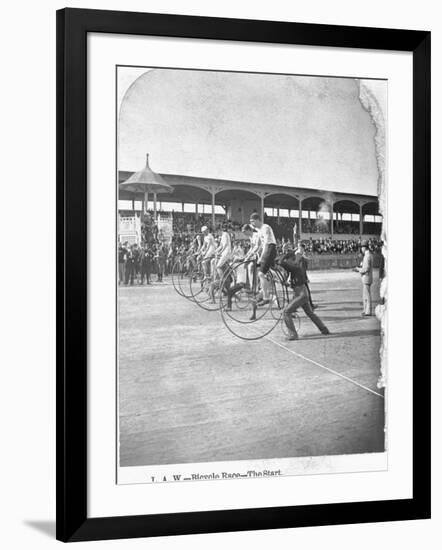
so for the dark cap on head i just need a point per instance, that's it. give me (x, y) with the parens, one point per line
(364, 243)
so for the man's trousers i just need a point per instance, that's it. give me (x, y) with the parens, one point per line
(366, 298)
(301, 299)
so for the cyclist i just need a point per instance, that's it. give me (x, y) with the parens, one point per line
(224, 250)
(267, 257)
(207, 251)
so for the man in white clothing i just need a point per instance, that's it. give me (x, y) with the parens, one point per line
(224, 250)
(366, 271)
(207, 252)
(268, 254)
(254, 251)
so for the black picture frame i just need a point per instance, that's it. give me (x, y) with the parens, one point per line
(73, 25)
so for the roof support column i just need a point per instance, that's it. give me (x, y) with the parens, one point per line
(300, 219)
(361, 223)
(262, 207)
(213, 210)
(331, 218)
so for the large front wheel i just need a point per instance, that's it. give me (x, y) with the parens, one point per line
(242, 310)
(180, 277)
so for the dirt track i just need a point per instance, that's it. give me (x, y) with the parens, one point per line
(192, 392)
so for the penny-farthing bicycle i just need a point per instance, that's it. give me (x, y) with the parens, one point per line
(204, 286)
(181, 271)
(242, 310)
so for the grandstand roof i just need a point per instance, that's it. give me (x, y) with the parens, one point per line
(191, 189)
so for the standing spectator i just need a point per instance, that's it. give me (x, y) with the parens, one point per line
(130, 266)
(122, 251)
(381, 265)
(366, 271)
(161, 262)
(146, 265)
(154, 249)
(170, 259)
(137, 260)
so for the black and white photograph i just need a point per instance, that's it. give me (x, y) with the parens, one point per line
(251, 274)
(228, 336)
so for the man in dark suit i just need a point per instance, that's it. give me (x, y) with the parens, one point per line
(294, 266)
(146, 265)
(304, 265)
(122, 251)
(130, 265)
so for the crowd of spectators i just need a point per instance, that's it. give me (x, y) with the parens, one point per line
(315, 226)
(337, 246)
(350, 228)
(154, 257)
(184, 224)
(283, 227)
(141, 262)
(188, 223)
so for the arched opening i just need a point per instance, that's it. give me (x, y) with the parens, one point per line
(194, 207)
(371, 219)
(238, 204)
(316, 216)
(281, 212)
(346, 219)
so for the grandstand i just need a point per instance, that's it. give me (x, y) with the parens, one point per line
(306, 213)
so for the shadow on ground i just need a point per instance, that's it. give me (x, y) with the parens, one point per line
(372, 332)
(340, 318)
(46, 527)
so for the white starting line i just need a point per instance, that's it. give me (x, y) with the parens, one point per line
(324, 367)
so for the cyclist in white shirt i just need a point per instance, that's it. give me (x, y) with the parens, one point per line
(197, 243)
(254, 250)
(193, 252)
(241, 266)
(224, 250)
(207, 251)
(255, 242)
(267, 256)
